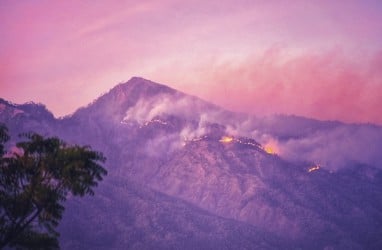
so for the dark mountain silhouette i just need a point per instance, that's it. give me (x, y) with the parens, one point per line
(184, 173)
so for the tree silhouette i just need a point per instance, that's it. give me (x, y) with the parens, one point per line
(35, 180)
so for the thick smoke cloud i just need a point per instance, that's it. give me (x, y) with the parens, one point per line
(162, 145)
(196, 116)
(332, 145)
(178, 105)
(337, 148)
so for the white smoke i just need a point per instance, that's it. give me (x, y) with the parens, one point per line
(166, 104)
(295, 139)
(337, 148)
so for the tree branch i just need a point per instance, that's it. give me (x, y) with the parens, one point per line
(18, 229)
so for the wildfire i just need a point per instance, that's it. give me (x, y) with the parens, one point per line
(194, 139)
(271, 147)
(226, 139)
(158, 121)
(314, 168)
(269, 150)
(198, 138)
(246, 143)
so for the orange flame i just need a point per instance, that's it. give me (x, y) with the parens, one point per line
(269, 150)
(271, 147)
(314, 168)
(226, 139)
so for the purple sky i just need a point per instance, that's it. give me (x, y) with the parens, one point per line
(320, 59)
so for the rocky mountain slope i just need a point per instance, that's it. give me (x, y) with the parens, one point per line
(184, 173)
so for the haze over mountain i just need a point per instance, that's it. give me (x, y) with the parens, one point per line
(184, 173)
(312, 58)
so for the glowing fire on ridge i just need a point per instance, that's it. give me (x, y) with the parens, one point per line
(271, 147)
(154, 121)
(269, 150)
(314, 168)
(226, 139)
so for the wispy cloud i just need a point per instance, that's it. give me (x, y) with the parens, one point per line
(326, 85)
(51, 49)
(331, 145)
(338, 148)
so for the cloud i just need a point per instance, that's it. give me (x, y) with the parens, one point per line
(195, 118)
(330, 85)
(162, 145)
(332, 145)
(336, 148)
(183, 106)
(49, 50)
(162, 104)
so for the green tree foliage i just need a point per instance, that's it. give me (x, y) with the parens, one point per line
(35, 181)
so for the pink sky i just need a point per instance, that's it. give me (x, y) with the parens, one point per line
(320, 59)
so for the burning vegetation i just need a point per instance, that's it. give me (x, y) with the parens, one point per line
(158, 121)
(226, 139)
(314, 168)
(271, 148)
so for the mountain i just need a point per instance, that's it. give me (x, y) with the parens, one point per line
(26, 117)
(184, 173)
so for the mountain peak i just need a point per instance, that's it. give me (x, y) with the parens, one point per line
(143, 85)
(125, 95)
(32, 109)
(133, 90)
(139, 79)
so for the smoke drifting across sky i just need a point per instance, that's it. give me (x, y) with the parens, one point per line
(315, 58)
(330, 145)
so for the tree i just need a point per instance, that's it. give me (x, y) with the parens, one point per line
(35, 181)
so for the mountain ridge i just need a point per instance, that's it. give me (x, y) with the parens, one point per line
(190, 158)
(135, 81)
